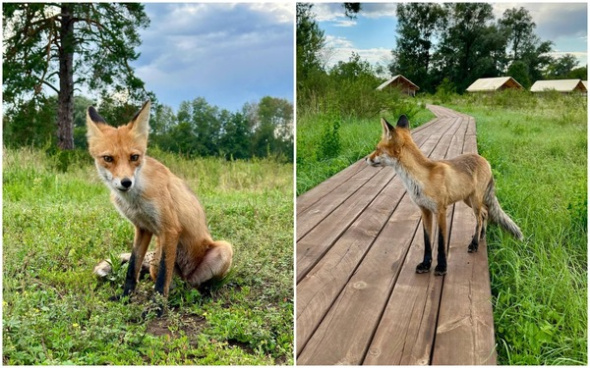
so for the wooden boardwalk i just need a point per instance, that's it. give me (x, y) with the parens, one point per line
(359, 239)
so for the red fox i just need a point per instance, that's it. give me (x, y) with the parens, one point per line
(434, 185)
(157, 203)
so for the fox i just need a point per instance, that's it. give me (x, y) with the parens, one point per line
(157, 203)
(433, 185)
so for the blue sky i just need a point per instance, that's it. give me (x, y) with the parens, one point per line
(229, 54)
(372, 34)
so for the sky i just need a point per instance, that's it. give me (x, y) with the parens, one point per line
(372, 33)
(230, 54)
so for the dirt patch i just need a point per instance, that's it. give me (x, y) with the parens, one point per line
(190, 324)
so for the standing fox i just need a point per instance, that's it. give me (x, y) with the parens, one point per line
(157, 203)
(434, 185)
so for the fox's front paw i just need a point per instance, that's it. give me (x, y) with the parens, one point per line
(423, 267)
(472, 248)
(440, 270)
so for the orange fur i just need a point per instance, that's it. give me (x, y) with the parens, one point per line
(158, 203)
(434, 185)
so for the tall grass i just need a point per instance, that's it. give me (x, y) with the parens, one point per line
(328, 143)
(59, 224)
(537, 146)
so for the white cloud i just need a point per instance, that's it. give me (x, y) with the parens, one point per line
(228, 53)
(553, 20)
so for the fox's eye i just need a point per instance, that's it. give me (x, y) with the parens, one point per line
(108, 158)
(134, 157)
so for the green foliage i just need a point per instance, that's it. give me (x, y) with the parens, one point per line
(345, 139)
(330, 142)
(32, 123)
(310, 40)
(520, 72)
(58, 225)
(46, 42)
(460, 42)
(561, 67)
(417, 25)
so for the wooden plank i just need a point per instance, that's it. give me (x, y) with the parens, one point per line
(410, 314)
(319, 240)
(307, 199)
(319, 288)
(465, 330)
(343, 335)
(310, 218)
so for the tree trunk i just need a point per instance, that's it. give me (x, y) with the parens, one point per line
(65, 110)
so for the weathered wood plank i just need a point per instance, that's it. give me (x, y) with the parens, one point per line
(319, 288)
(323, 207)
(343, 335)
(309, 198)
(465, 329)
(318, 241)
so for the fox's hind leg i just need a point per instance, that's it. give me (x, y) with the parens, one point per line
(215, 264)
(481, 220)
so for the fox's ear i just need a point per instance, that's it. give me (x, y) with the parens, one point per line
(141, 121)
(387, 128)
(92, 119)
(403, 122)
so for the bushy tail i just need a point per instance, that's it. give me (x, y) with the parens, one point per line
(496, 213)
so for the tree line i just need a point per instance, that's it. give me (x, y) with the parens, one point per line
(259, 129)
(462, 42)
(445, 46)
(55, 49)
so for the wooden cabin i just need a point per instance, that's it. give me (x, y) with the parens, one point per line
(402, 83)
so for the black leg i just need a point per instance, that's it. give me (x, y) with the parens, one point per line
(425, 265)
(474, 244)
(441, 267)
(161, 279)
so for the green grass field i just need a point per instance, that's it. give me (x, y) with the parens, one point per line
(58, 225)
(537, 147)
(538, 151)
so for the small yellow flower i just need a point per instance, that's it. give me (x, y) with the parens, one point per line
(4, 304)
(75, 325)
(36, 310)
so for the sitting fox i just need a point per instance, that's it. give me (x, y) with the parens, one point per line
(434, 185)
(157, 203)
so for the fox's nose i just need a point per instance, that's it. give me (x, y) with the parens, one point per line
(126, 182)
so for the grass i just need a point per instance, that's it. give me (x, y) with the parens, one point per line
(538, 150)
(327, 143)
(58, 225)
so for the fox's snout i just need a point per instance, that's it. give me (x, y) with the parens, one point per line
(124, 184)
(373, 159)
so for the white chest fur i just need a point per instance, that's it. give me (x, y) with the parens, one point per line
(413, 187)
(141, 212)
